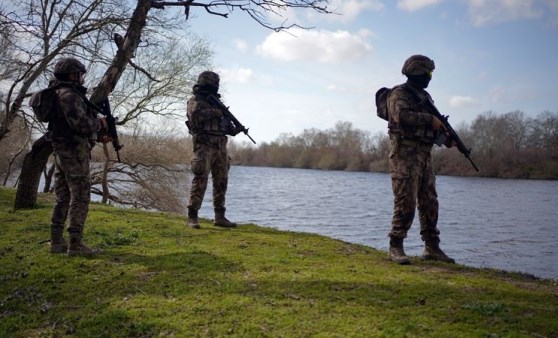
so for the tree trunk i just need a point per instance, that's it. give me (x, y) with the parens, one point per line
(30, 176)
(35, 161)
(124, 53)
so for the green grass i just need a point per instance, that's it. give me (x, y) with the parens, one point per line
(157, 277)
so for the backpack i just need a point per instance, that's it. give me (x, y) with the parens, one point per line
(381, 103)
(45, 104)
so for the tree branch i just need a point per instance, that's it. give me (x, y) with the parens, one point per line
(254, 8)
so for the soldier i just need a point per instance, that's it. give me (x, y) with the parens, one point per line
(413, 130)
(209, 129)
(73, 133)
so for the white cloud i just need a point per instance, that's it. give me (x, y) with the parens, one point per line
(237, 75)
(348, 10)
(462, 101)
(497, 94)
(315, 45)
(240, 45)
(333, 87)
(483, 12)
(414, 5)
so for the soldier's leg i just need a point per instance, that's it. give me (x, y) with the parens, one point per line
(75, 164)
(404, 185)
(58, 243)
(427, 200)
(220, 174)
(79, 183)
(201, 164)
(428, 214)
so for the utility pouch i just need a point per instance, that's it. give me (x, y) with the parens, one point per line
(441, 139)
(395, 140)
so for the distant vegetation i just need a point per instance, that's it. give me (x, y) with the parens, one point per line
(508, 146)
(152, 177)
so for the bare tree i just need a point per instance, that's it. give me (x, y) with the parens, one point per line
(144, 99)
(258, 10)
(12, 148)
(72, 33)
(44, 29)
(543, 132)
(68, 27)
(152, 177)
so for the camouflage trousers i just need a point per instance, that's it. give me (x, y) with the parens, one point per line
(72, 186)
(210, 158)
(414, 184)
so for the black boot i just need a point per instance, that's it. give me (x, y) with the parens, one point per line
(58, 243)
(432, 251)
(396, 252)
(221, 220)
(193, 219)
(78, 248)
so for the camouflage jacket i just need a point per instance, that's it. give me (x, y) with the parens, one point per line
(407, 117)
(204, 118)
(76, 122)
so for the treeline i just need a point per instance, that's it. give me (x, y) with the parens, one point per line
(508, 145)
(154, 168)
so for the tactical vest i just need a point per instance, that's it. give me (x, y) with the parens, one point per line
(59, 129)
(423, 134)
(214, 126)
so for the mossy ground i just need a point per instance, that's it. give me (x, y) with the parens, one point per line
(157, 277)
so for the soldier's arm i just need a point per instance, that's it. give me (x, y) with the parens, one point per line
(75, 111)
(400, 102)
(200, 111)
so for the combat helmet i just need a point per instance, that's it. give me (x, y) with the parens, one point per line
(418, 65)
(67, 66)
(208, 78)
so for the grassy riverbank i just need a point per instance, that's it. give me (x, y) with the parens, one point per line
(160, 278)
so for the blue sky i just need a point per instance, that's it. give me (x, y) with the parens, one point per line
(490, 55)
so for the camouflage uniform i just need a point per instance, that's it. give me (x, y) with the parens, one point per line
(413, 180)
(73, 134)
(209, 129)
(410, 162)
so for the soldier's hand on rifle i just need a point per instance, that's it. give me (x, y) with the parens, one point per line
(236, 131)
(102, 135)
(104, 124)
(437, 124)
(104, 139)
(217, 112)
(450, 142)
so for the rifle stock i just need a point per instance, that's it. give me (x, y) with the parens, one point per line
(229, 115)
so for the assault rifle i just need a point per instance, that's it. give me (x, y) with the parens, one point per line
(111, 124)
(452, 134)
(228, 115)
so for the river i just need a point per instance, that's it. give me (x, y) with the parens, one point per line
(496, 223)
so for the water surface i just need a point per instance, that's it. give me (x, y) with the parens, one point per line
(497, 223)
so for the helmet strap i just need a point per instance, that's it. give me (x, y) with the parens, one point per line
(419, 81)
(210, 89)
(62, 77)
